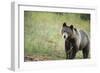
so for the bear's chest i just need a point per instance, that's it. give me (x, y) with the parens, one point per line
(75, 43)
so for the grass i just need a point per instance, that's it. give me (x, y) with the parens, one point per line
(42, 33)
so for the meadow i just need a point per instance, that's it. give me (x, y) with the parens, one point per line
(42, 34)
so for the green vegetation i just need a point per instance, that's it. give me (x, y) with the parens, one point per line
(42, 33)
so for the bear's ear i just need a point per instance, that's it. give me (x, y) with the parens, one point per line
(64, 24)
(71, 26)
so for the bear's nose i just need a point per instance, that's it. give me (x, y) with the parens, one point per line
(64, 36)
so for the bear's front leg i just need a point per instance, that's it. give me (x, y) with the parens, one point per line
(74, 48)
(67, 55)
(68, 49)
(74, 51)
(72, 54)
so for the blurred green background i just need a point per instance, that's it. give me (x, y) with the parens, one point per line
(42, 34)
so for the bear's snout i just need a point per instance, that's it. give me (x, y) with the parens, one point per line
(65, 35)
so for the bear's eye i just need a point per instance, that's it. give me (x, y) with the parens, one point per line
(64, 31)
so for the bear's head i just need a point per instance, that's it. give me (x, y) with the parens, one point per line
(67, 31)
